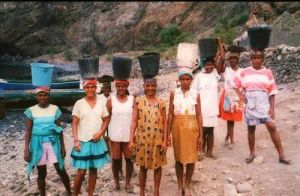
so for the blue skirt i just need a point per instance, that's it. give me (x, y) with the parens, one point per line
(91, 155)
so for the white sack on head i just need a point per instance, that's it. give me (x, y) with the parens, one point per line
(187, 55)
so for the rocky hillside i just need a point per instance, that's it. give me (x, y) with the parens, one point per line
(32, 29)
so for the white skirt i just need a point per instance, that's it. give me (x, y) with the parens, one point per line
(210, 121)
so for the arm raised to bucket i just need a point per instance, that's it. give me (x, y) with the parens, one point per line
(220, 57)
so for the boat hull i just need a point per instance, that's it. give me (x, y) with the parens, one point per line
(13, 85)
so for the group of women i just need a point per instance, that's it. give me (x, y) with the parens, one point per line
(139, 127)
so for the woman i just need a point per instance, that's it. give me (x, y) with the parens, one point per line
(185, 123)
(231, 106)
(120, 108)
(150, 141)
(206, 83)
(90, 120)
(260, 87)
(44, 140)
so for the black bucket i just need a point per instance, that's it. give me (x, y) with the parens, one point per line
(259, 37)
(208, 47)
(88, 67)
(236, 49)
(121, 67)
(149, 63)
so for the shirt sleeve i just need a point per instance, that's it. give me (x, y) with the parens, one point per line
(76, 111)
(195, 83)
(28, 113)
(58, 113)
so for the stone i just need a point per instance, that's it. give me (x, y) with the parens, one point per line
(244, 187)
(259, 160)
(229, 179)
(230, 190)
(235, 165)
(136, 189)
(248, 177)
(5, 183)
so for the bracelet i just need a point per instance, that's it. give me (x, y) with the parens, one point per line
(76, 140)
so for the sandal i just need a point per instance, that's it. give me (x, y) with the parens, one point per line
(285, 161)
(250, 159)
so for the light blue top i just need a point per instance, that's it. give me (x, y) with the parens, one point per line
(44, 129)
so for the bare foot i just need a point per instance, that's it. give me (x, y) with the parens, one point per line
(211, 155)
(283, 160)
(231, 146)
(128, 189)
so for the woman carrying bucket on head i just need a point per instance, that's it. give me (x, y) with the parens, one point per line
(231, 106)
(185, 119)
(148, 137)
(120, 108)
(90, 120)
(44, 142)
(260, 88)
(206, 83)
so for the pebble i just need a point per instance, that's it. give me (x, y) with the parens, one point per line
(244, 187)
(230, 190)
(248, 177)
(5, 183)
(236, 165)
(229, 179)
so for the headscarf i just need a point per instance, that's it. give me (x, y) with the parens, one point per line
(90, 81)
(42, 89)
(126, 82)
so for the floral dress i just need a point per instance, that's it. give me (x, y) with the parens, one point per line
(150, 133)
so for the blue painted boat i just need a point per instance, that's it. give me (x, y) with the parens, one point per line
(26, 98)
(27, 85)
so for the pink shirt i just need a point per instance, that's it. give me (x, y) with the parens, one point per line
(250, 79)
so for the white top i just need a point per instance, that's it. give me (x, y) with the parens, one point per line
(229, 74)
(207, 86)
(120, 122)
(184, 103)
(90, 119)
(102, 97)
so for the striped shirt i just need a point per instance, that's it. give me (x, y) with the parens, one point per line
(251, 79)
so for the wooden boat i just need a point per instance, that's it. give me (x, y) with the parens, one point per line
(26, 85)
(26, 98)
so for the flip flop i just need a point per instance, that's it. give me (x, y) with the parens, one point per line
(284, 161)
(250, 159)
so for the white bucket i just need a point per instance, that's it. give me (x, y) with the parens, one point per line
(187, 55)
